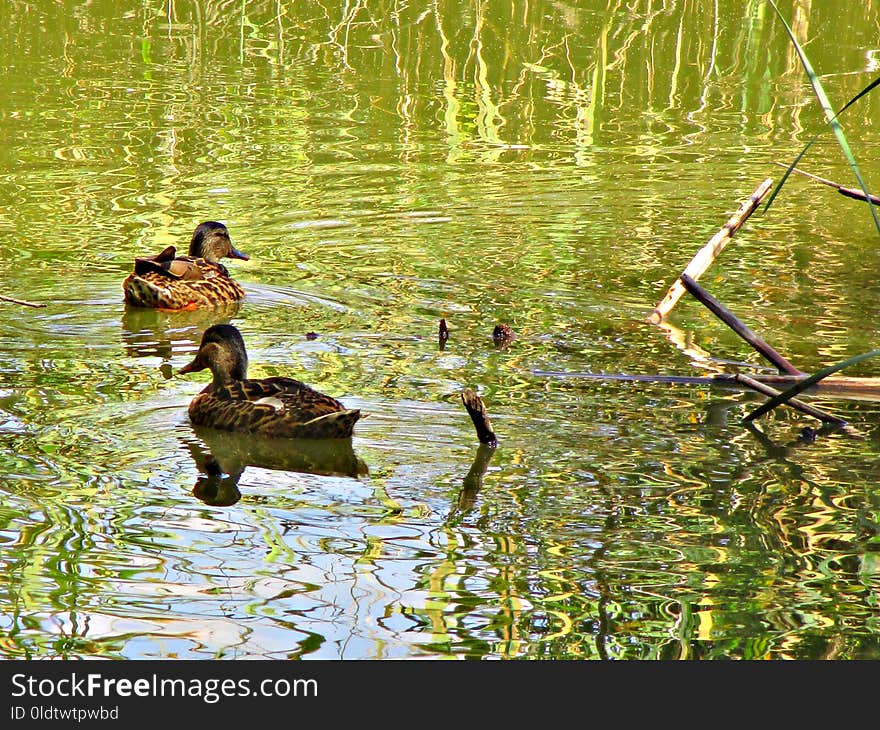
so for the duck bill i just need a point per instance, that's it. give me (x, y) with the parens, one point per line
(192, 367)
(236, 254)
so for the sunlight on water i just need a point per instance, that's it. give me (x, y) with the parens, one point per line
(550, 167)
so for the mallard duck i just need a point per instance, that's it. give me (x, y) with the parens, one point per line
(274, 407)
(169, 281)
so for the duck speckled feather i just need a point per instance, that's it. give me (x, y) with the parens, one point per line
(275, 407)
(168, 281)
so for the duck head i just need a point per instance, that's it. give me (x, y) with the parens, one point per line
(222, 351)
(211, 242)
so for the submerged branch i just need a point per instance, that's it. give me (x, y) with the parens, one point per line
(851, 388)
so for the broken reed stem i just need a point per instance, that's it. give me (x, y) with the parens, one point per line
(731, 320)
(709, 252)
(477, 410)
(793, 402)
(848, 192)
(20, 301)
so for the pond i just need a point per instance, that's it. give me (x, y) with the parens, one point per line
(552, 166)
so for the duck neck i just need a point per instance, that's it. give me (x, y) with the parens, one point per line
(207, 249)
(221, 379)
(226, 371)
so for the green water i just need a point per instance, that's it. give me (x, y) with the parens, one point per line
(551, 165)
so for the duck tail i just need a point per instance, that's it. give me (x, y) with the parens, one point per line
(143, 293)
(338, 424)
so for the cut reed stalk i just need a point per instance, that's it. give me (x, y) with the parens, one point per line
(709, 252)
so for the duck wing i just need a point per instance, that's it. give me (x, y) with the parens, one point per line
(274, 407)
(187, 268)
(291, 398)
(159, 263)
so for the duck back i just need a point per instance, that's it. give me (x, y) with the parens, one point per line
(205, 285)
(273, 407)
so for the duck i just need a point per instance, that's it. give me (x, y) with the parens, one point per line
(169, 281)
(274, 407)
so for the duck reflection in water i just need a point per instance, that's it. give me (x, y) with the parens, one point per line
(165, 333)
(222, 458)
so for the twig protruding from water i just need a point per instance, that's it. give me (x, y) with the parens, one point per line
(443, 333)
(479, 415)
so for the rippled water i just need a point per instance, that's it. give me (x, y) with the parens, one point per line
(552, 166)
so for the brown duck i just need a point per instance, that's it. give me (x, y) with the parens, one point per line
(274, 407)
(168, 281)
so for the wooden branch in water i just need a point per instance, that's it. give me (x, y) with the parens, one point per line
(443, 333)
(21, 301)
(841, 386)
(709, 252)
(731, 320)
(848, 192)
(793, 402)
(477, 411)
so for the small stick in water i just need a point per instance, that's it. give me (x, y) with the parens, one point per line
(503, 335)
(443, 333)
(477, 411)
(21, 301)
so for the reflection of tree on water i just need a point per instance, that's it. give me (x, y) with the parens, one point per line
(222, 458)
(164, 333)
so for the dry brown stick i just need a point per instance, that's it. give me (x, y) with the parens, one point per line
(731, 320)
(852, 388)
(709, 252)
(477, 411)
(793, 402)
(21, 301)
(848, 192)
